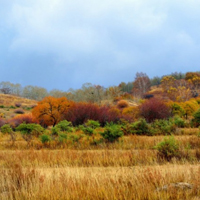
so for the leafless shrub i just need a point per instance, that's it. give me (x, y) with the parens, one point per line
(18, 105)
(19, 111)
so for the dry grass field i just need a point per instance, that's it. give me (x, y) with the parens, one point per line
(129, 169)
(123, 170)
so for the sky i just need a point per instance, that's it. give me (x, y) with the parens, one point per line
(62, 44)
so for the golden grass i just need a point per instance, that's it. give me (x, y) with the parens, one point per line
(10, 100)
(98, 182)
(7, 101)
(126, 170)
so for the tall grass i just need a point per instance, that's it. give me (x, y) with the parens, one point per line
(98, 183)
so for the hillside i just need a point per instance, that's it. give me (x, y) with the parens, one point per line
(10, 105)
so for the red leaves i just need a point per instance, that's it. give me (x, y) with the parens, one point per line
(154, 109)
(80, 112)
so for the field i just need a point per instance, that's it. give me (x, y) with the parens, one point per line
(127, 169)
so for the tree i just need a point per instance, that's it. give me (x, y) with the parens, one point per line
(126, 87)
(11, 88)
(155, 81)
(51, 110)
(34, 92)
(141, 84)
(194, 79)
(177, 90)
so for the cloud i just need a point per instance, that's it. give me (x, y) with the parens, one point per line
(90, 40)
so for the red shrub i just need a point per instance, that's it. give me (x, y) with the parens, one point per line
(81, 112)
(19, 119)
(154, 109)
(108, 114)
(2, 122)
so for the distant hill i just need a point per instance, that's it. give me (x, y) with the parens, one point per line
(11, 105)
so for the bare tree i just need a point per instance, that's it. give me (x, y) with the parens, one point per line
(141, 84)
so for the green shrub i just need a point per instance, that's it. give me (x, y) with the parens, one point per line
(92, 124)
(62, 138)
(6, 129)
(179, 122)
(88, 130)
(168, 148)
(29, 130)
(159, 127)
(112, 132)
(139, 127)
(65, 126)
(196, 119)
(61, 127)
(75, 138)
(55, 131)
(45, 138)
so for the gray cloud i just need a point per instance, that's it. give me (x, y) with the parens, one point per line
(72, 42)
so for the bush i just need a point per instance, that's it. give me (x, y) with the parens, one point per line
(196, 118)
(139, 127)
(2, 122)
(153, 109)
(75, 138)
(19, 119)
(6, 129)
(168, 148)
(62, 138)
(81, 112)
(112, 133)
(179, 122)
(122, 104)
(92, 124)
(45, 139)
(18, 105)
(64, 126)
(29, 130)
(55, 131)
(159, 127)
(61, 127)
(19, 111)
(86, 130)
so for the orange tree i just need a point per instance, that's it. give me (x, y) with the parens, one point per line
(50, 110)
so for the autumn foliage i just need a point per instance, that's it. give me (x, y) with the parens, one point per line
(81, 112)
(51, 110)
(154, 109)
(24, 118)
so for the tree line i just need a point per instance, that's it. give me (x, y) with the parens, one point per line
(177, 85)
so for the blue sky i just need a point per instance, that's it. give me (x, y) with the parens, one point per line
(63, 44)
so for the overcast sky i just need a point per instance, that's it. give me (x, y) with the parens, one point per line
(63, 44)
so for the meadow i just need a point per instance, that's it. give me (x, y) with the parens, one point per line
(89, 161)
(126, 169)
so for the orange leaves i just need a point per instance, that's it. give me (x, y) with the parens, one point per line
(50, 110)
